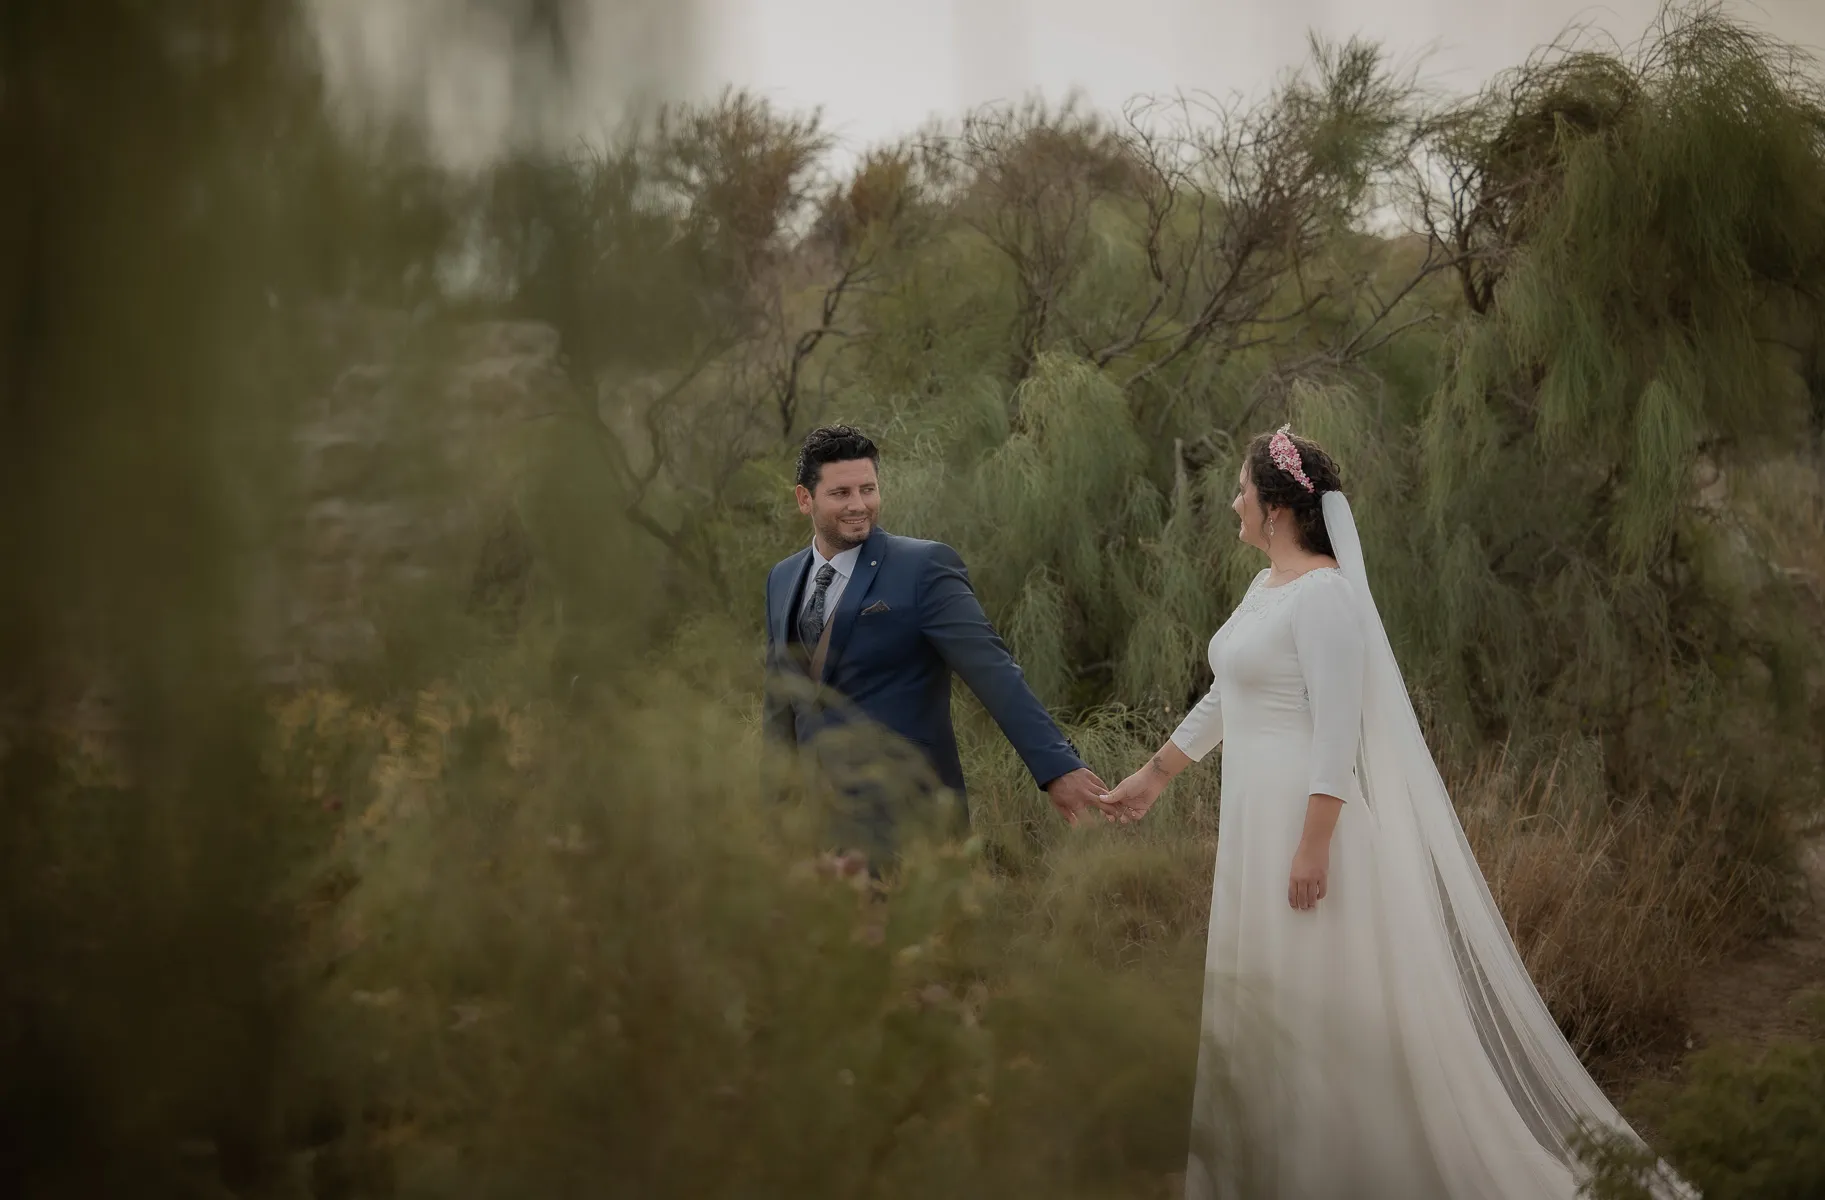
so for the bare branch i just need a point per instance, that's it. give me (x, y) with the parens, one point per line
(787, 377)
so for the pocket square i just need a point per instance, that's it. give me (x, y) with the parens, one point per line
(879, 606)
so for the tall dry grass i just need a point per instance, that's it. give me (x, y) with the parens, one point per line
(1613, 908)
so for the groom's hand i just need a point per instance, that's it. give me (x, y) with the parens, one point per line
(1075, 791)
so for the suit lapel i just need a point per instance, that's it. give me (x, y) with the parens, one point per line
(784, 592)
(867, 565)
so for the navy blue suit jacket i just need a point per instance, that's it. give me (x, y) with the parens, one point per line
(906, 620)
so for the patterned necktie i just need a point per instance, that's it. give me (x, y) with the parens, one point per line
(811, 620)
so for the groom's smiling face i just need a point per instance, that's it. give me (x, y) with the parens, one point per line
(843, 504)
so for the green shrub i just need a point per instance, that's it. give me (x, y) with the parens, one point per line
(1743, 1123)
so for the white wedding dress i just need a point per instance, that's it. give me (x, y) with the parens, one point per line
(1388, 1043)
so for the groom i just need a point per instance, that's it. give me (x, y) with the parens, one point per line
(882, 621)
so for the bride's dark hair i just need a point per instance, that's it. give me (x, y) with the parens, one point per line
(1277, 487)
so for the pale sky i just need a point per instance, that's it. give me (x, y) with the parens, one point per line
(881, 68)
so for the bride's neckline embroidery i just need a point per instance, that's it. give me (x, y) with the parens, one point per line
(1274, 587)
(1259, 594)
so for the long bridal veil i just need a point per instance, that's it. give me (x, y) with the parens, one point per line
(1460, 988)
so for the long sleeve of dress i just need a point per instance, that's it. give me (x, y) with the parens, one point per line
(1202, 729)
(1328, 638)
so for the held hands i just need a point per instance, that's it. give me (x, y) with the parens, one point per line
(1075, 791)
(1130, 801)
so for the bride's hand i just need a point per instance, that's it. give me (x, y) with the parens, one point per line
(1132, 797)
(1311, 876)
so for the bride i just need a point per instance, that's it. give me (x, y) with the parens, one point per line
(1369, 1029)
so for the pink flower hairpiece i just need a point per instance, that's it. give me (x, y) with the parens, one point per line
(1286, 456)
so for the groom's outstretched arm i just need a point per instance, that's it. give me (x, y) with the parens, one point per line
(953, 621)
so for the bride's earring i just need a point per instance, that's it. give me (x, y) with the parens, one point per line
(1270, 529)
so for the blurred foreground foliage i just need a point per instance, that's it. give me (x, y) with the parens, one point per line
(643, 979)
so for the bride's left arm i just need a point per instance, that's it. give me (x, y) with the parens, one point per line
(1329, 643)
(1132, 797)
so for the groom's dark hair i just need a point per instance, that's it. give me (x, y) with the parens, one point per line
(832, 443)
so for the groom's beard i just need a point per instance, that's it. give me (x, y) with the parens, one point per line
(844, 537)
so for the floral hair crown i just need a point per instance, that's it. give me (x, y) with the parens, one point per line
(1286, 456)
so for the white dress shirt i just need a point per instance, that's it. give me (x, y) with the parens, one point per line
(845, 567)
